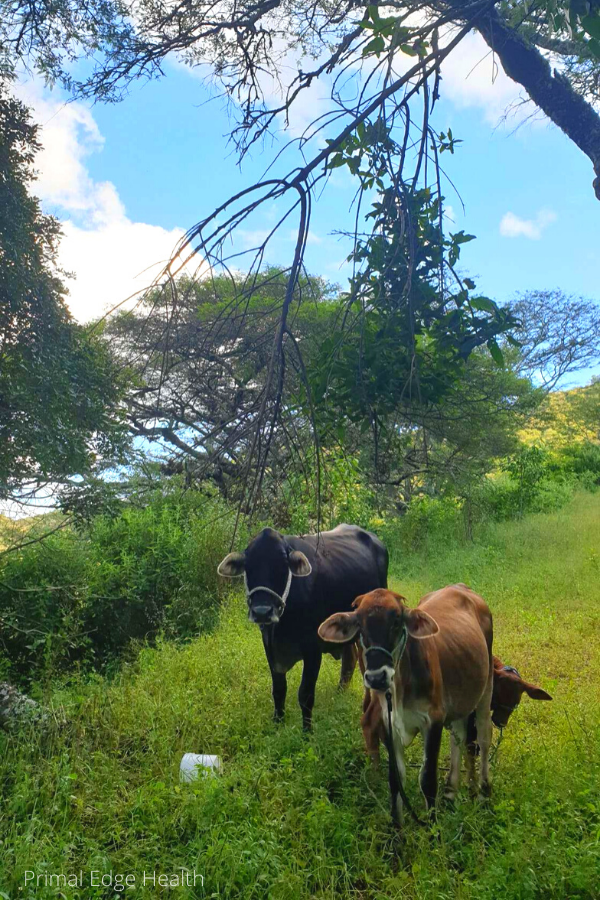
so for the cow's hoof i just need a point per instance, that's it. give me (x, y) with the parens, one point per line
(449, 796)
(278, 718)
(485, 792)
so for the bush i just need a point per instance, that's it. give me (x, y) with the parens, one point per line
(83, 597)
(428, 523)
(582, 460)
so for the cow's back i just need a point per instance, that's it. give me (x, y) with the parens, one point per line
(346, 562)
(462, 646)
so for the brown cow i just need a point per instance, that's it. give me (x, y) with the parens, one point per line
(433, 682)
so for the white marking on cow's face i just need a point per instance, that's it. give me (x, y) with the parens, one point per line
(379, 680)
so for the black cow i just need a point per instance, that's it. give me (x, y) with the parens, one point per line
(330, 570)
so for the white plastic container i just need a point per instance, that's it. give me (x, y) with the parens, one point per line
(195, 765)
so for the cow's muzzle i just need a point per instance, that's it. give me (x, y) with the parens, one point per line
(263, 614)
(379, 680)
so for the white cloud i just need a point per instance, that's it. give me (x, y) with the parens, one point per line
(449, 213)
(512, 226)
(111, 256)
(311, 237)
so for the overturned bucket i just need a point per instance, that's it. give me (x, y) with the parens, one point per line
(195, 765)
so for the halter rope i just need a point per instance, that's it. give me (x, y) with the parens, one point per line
(281, 598)
(395, 781)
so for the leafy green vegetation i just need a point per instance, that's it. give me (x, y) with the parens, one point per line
(297, 817)
(84, 597)
(81, 597)
(60, 388)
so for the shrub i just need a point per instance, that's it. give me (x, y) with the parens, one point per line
(83, 597)
(426, 525)
(582, 460)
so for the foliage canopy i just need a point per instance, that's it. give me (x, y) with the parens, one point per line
(60, 390)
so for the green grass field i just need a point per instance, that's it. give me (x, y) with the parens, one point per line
(297, 817)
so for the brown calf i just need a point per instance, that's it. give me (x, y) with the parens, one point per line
(434, 682)
(508, 689)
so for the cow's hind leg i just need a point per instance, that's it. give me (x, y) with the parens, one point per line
(306, 692)
(429, 779)
(349, 657)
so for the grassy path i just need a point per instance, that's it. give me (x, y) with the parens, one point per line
(306, 818)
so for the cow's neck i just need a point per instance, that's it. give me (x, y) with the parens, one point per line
(406, 672)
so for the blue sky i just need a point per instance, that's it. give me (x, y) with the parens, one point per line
(128, 179)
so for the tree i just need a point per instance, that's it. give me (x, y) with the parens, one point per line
(202, 371)
(60, 390)
(201, 360)
(384, 68)
(558, 334)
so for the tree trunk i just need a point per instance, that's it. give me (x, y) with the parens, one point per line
(549, 90)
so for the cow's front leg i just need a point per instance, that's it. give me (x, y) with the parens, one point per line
(483, 719)
(429, 772)
(306, 692)
(278, 679)
(279, 692)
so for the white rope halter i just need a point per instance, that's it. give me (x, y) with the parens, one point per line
(281, 598)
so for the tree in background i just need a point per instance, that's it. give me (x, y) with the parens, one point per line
(202, 364)
(60, 391)
(201, 377)
(558, 335)
(409, 322)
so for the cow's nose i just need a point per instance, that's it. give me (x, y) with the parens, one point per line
(262, 613)
(377, 681)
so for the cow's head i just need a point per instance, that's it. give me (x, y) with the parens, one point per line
(384, 624)
(509, 687)
(268, 565)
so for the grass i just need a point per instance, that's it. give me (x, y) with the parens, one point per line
(296, 817)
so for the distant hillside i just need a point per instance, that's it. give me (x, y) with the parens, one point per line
(566, 417)
(14, 531)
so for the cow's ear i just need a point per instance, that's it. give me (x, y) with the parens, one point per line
(299, 565)
(358, 600)
(232, 566)
(339, 628)
(536, 693)
(420, 624)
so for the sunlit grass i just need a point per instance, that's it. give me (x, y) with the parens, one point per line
(305, 818)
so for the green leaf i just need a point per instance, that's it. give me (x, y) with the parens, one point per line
(513, 341)
(496, 352)
(591, 24)
(337, 161)
(484, 304)
(377, 46)
(461, 238)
